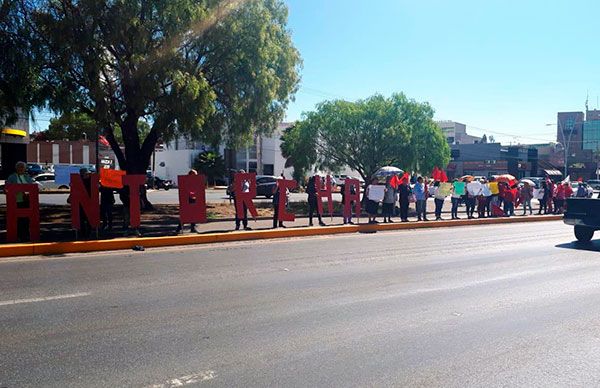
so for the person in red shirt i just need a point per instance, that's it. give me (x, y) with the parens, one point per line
(551, 195)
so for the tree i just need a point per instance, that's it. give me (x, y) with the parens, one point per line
(211, 164)
(492, 140)
(77, 126)
(71, 126)
(366, 135)
(19, 64)
(211, 70)
(484, 139)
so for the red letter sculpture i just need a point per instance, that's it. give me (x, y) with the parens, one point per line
(283, 185)
(13, 213)
(134, 182)
(192, 201)
(350, 197)
(81, 200)
(324, 193)
(244, 199)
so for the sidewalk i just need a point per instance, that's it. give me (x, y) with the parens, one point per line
(163, 221)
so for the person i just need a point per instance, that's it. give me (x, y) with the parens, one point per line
(559, 198)
(551, 192)
(543, 198)
(487, 195)
(278, 195)
(313, 208)
(85, 228)
(581, 191)
(372, 206)
(21, 177)
(509, 200)
(192, 199)
(438, 199)
(244, 220)
(347, 220)
(526, 196)
(473, 191)
(404, 199)
(495, 198)
(421, 197)
(107, 201)
(455, 199)
(389, 200)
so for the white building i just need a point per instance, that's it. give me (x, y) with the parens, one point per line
(456, 133)
(263, 157)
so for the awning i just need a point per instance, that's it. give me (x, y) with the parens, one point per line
(14, 132)
(553, 172)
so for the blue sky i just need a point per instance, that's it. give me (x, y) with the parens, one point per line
(497, 66)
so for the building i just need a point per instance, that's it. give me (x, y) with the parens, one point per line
(263, 156)
(48, 153)
(456, 133)
(13, 145)
(487, 159)
(578, 139)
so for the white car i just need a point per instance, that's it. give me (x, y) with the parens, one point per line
(47, 182)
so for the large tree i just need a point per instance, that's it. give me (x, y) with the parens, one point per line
(211, 70)
(366, 135)
(19, 64)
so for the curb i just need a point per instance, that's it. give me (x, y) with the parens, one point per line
(58, 248)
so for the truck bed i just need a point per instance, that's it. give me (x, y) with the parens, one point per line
(583, 212)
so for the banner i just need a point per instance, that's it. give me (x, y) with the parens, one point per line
(459, 188)
(111, 178)
(376, 192)
(62, 173)
(445, 189)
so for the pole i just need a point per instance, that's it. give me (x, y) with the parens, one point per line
(97, 150)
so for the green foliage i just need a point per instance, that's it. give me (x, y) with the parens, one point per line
(366, 135)
(77, 125)
(211, 70)
(211, 164)
(19, 64)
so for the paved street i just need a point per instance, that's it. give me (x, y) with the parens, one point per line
(498, 305)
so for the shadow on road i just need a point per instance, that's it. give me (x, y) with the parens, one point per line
(592, 246)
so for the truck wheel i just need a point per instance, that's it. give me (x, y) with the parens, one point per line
(583, 233)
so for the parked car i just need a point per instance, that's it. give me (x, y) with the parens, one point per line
(265, 184)
(154, 182)
(34, 169)
(595, 183)
(47, 181)
(584, 215)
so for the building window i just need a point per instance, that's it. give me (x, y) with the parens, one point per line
(268, 169)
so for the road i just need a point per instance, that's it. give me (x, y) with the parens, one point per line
(497, 305)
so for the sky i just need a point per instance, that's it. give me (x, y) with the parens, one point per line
(503, 68)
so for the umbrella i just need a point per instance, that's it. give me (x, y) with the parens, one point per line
(528, 181)
(507, 178)
(468, 178)
(388, 171)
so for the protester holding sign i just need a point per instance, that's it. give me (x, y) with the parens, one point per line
(389, 199)
(311, 190)
(375, 194)
(107, 201)
(421, 197)
(21, 177)
(192, 199)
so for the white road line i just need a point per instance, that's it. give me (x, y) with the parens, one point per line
(186, 380)
(43, 299)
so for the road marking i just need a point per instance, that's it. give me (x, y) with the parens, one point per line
(43, 299)
(186, 380)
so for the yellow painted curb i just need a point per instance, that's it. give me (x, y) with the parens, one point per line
(57, 248)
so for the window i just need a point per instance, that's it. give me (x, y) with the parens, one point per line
(268, 169)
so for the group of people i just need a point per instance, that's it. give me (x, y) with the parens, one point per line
(482, 198)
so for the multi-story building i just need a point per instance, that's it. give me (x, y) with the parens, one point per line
(578, 137)
(456, 133)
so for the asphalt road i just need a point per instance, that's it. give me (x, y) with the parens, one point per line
(501, 305)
